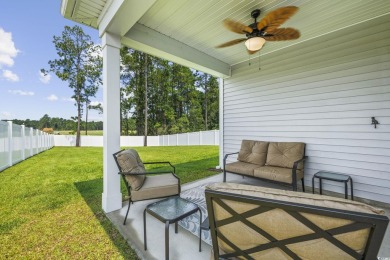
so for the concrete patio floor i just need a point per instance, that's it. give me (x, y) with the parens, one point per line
(185, 245)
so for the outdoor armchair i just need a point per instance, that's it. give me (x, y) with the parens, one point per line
(142, 184)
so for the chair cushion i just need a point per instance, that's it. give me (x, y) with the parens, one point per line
(281, 225)
(253, 152)
(157, 186)
(241, 167)
(129, 161)
(276, 173)
(284, 154)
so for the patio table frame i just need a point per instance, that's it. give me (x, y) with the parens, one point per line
(171, 220)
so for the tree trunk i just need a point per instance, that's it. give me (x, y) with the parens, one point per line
(86, 118)
(78, 121)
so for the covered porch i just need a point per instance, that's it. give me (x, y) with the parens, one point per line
(321, 89)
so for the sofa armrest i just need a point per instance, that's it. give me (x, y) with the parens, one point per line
(299, 161)
(226, 156)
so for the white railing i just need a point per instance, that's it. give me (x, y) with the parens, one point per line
(195, 138)
(18, 143)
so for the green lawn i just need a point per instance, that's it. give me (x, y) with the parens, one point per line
(50, 204)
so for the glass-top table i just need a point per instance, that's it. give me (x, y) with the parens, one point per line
(334, 176)
(168, 211)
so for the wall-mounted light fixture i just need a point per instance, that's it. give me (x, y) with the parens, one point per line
(374, 121)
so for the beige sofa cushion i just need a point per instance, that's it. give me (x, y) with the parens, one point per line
(157, 186)
(254, 152)
(276, 173)
(282, 225)
(241, 167)
(129, 161)
(284, 154)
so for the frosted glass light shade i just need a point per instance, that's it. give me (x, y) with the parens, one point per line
(255, 43)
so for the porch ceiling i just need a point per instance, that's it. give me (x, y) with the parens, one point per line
(195, 27)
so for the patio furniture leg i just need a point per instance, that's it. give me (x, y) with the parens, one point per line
(303, 185)
(200, 231)
(312, 184)
(320, 186)
(176, 231)
(224, 175)
(346, 189)
(127, 213)
(145, 245)
(351, 189)
(167, 240)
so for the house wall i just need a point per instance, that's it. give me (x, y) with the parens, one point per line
(322, 92)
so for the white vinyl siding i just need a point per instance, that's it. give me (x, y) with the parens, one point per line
(322, 92)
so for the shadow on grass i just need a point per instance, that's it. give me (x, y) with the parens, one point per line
(91, 192)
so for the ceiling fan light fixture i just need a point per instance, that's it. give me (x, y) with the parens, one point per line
(254, 43)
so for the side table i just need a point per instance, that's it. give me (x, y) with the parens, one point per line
(334, 176)
(168, 211)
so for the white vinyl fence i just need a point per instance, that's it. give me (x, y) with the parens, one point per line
(18, 142)
(195, 138)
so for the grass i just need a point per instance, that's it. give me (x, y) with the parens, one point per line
(51, 203)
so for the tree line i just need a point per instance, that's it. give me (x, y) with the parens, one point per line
(59, 124)
(157, 96)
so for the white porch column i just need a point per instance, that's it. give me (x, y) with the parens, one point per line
(112, 196)
(221, 129)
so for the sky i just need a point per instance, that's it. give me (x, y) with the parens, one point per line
(26, 45)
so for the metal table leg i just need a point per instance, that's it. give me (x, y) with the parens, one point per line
(320, 186)
(167, 240)
(346, 189)
(312, 183)
(200, 231)
(145, 246)
(351, 188)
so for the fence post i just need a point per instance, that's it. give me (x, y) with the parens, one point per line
(23, 143)
(31, 141)
(177, 139)
(10, 143)
(200, 137)
(188, 139)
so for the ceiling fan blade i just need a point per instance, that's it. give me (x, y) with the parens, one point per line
(283, 34)
(237, 27)
(276, 18)
(230, 43)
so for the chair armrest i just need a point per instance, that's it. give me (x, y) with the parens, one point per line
(173, 167)
(299, 161)
(145, 173)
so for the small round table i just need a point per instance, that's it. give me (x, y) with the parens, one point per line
(334, 176)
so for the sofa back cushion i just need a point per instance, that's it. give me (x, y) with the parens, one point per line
(284, 154)
(129, 161)
(254, 152)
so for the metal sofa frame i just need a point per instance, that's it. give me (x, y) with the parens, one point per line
(376, 223)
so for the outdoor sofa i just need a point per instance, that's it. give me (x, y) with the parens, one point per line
(251, 222)
(281, 162)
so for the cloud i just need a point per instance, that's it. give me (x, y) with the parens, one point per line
(96, 103)
(68, 99)
(10, 76)
(7, 49)
(52, 97)
(45, 79)
(21, 92)
(5, 115)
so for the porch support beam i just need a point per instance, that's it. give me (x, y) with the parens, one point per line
(111, 197)
(118, 16)
(154, 43)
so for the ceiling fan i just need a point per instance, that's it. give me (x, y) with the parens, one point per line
(267, 29)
